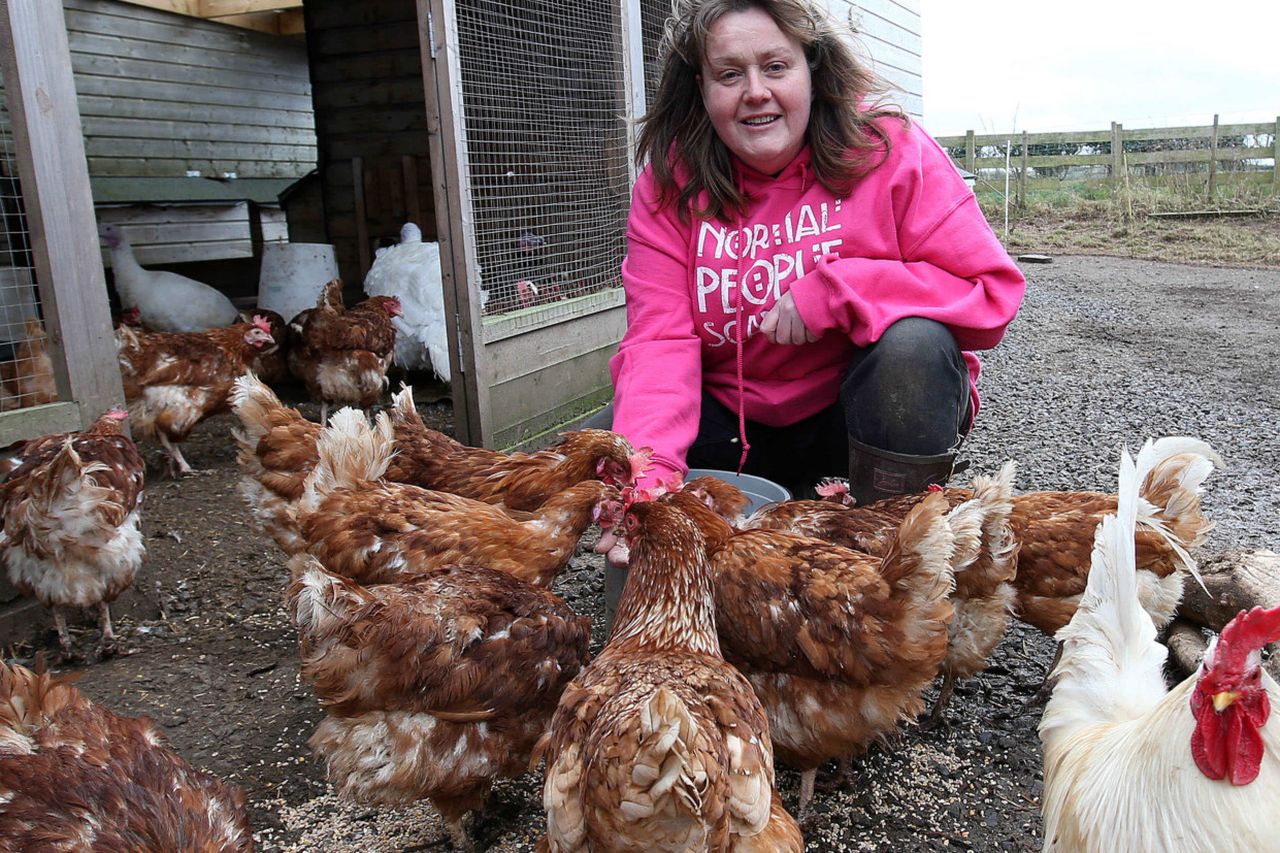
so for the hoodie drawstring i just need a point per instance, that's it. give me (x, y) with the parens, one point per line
(737, 292)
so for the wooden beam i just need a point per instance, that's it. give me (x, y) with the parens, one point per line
(272, 23)
(191, 8)
(223, 8)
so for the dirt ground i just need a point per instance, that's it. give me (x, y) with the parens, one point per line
(1106, 352)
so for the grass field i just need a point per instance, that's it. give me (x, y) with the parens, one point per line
(1240, 226)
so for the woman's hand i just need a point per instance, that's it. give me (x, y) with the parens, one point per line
(782, 323)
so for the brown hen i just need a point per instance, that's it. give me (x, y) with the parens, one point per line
(660, 745)
(374, 531)
(433, 687)
(74, 776)
(1054, 534)
(520, 481)
(174, 380)
(787, 607)
(271, 364)
(342, 354)
(72, 513)
(27, 379)
(984, 594)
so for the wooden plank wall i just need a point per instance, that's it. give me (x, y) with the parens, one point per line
(888, 33)
(371, 123)
(164, 94)
(885, 31)
(182, 233)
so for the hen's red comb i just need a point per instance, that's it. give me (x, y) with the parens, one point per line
(262, 323)
(641, 461)
(831, 488)
(932, 488)
(1245, 634)
(118, 414)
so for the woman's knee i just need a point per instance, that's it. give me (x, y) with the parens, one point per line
(915, 344)
(909, 391)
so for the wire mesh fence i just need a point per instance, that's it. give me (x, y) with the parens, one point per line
(546, 145)
(26, 372)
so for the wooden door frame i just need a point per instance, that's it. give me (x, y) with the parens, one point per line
(49, 149)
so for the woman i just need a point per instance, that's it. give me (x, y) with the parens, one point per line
(806, 271)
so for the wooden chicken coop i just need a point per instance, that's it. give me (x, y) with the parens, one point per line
(502, 128)
(52, 276)
(505, 130)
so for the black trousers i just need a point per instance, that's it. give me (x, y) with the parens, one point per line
(906, 393)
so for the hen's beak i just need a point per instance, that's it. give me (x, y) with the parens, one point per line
(1223, 700)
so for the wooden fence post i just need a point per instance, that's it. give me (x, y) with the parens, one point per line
(1117, 154)
(1213, 157)
(1275, 157)
(1022, 174)
(969, 152)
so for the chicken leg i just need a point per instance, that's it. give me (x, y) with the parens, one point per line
(60, 623)
(460, 833)
(807, 778)
(107, 647)
(177, 464)
(945, 693)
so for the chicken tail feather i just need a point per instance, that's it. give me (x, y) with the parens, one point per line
(1111, 663)
(667, 767)
(350, 452)
(320, 602)
(996, 557)
(921, 557)
(253, 402)
(1172, 472)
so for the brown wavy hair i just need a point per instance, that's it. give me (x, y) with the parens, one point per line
(843, 140)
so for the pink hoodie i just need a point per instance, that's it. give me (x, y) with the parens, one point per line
(909, 241)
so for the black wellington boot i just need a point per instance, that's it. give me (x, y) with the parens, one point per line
(875, 474)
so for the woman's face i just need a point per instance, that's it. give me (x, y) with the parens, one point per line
(756, 88)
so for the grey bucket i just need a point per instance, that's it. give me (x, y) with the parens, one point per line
(758, 490)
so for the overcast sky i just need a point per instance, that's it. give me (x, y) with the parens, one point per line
(1003, 66)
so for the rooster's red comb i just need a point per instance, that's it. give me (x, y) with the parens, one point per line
(1245, 634)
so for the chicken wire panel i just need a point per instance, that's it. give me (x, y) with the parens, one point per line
(546, 147)
(26, 373)
(653, 17)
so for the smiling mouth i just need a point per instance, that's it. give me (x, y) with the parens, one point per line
(759, 121)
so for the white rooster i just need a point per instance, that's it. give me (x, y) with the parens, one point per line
(1132, 766)
(410, 270)
(166, 301)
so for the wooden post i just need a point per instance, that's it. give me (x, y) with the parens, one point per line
(1213, 158)
(1022, 175)
(36, 62)
(455, 219)
(362, 215)
(1275, 157)
(970, 153)
(412, 205)
(1117, 154)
